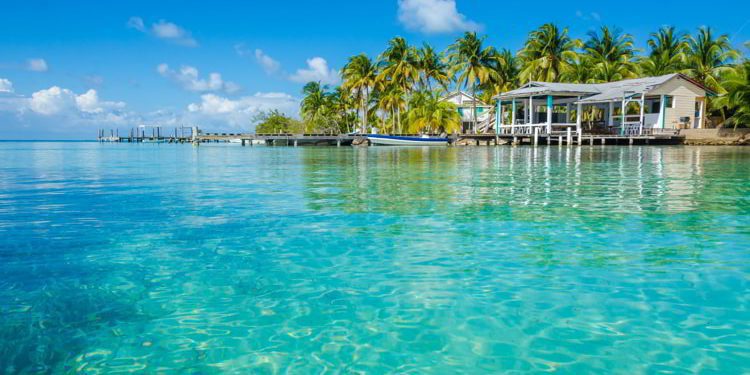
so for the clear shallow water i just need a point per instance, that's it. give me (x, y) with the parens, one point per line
(163, 258)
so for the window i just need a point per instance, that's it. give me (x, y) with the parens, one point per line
(655, 106)
(669, 101)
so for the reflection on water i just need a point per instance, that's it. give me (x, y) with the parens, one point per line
(216, 258)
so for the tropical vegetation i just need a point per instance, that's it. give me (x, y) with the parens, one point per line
(402, 89)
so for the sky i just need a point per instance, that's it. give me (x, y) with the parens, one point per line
(69, 68)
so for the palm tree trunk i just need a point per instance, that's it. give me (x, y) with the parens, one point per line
(474, 107)
(364, 109)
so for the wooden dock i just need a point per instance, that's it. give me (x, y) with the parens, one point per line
(248, 139)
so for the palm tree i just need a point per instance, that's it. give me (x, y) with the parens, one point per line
(429, 113)
(392, 101)
(342, 103)
(399, 71)
(581, 70)
(611, 54)
(709, 58)
(738, 94)
(667, 52)
(547, 54)
(359, 75)
(472, 62)
(505, 77)
(314, 105)
(431, 68)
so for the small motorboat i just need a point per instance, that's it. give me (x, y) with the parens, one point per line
(400, 140)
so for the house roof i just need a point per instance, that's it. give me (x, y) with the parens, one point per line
(467, 96)
(596, 92)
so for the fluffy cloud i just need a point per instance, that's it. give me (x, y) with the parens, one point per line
(433, 16)
(36, 65)
(164, 30)
(317, 70)
(269, 65)
(188, 77)
(6, 85)
(588, 16)
(56, 100)
(214, 109)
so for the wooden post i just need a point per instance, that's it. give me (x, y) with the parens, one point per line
(579, 118)
(701, 112)
(622, 117)
(643, 104)
(559, 140)
(550, 102)
(570, 138)
(498, 116)
(611, 114)
(662, 111)
(513, 115)
(530, 119)
(536, 136)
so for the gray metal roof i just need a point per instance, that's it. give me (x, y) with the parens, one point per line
(595, 92)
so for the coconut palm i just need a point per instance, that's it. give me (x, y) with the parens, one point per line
(342, 104)
(547, 54)
(505, 77)
(472, 63)
(737, 98)
(392, 102)
(359, 75)
(399, 64)
(315, 104)
(709, 58)
(611, 54)
(431, 68)
(667, 52)
(428, 113)
(399, 71)
(581, 70)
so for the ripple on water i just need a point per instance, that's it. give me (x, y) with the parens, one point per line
(380, 260)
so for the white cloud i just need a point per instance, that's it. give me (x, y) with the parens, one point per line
(588, 16)
(317, 70)
(52, 101)
(6, 85)
(434, 17)
(164, 30)
(56, 100)
(136, 23)
(214, 109)
(89, 103)
(270, 66)
(36, 65)
(188, 77)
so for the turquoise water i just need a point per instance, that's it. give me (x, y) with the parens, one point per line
(218, 258)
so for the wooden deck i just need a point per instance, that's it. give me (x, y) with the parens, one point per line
(247, 139)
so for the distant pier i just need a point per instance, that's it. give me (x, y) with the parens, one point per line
(194, 135)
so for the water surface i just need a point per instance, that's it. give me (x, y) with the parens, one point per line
(219, 258)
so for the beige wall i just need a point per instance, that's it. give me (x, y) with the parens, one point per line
(684, 94)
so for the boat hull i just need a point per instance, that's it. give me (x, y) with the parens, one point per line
(394, 140)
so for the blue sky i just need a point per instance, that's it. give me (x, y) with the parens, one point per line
(69, 68)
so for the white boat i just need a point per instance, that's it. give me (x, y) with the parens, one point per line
(398, 140)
